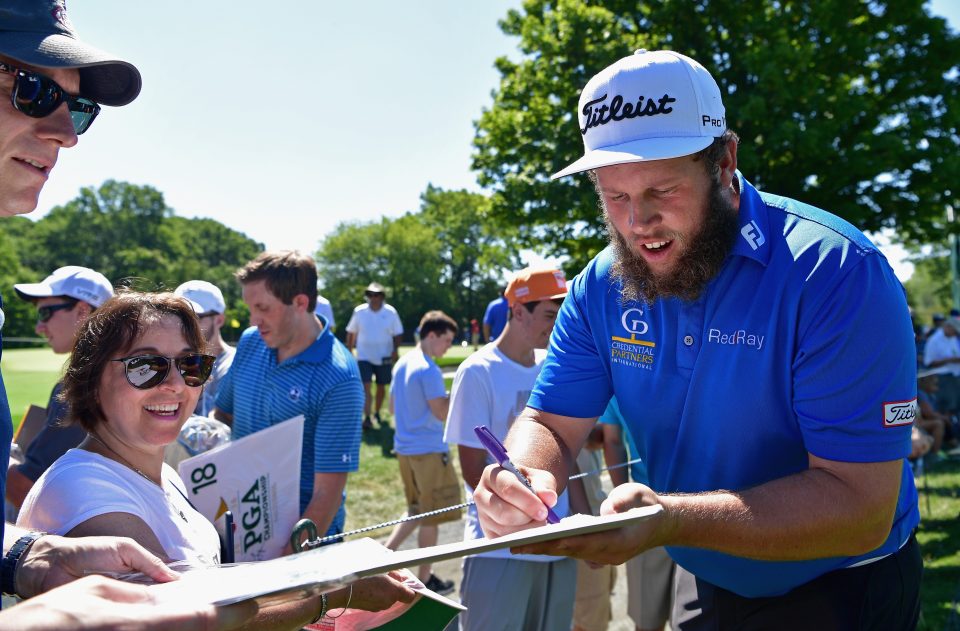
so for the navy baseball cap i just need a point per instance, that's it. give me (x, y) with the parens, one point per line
(39, 33)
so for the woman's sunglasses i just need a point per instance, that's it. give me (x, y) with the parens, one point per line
(149, 371)
(37, 96)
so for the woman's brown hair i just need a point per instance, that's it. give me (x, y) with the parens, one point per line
(109, 332)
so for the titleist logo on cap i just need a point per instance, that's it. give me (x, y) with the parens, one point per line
(618, 110)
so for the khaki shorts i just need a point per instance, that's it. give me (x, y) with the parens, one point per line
(591, 608)
(430, 482)
(650, 588)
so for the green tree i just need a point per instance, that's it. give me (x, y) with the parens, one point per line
(129, 234)
(19, 315)
(401, 254)
(476, 250)
(449, 255)
(851, 106)
(928, 290)
(118, 229)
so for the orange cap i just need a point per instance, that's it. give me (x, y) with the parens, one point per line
(534, 285)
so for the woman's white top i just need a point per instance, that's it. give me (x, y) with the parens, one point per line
(81, 485)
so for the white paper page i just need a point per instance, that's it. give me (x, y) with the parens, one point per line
(327, 568)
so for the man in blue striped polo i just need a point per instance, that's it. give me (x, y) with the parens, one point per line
(289, 363)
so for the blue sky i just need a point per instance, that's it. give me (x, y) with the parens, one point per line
(281, 124)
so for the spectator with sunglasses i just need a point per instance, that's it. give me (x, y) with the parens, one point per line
(43, 66)
(64, 300)
(132, 381)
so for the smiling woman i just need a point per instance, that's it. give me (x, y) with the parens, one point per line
(133, 379)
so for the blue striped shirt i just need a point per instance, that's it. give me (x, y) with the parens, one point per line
(322, 383)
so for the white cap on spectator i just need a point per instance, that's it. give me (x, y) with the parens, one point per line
(204, 297)
(73, 281)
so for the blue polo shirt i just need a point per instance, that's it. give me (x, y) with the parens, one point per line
(612, 416)
(802, 343)
(496, 317)
(416, 380)
(322, 383)
(6, 425)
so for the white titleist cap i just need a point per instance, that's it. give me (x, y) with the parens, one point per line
(204, 297)
(81, 283)
(652, 105)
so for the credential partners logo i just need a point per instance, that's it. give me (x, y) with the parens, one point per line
(632, 351)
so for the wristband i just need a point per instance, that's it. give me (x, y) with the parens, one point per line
(323, 609)
(11, 562)
(345, 607)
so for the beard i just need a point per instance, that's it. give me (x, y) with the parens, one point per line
(700, 261)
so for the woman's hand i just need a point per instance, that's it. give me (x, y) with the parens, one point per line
(373, 594)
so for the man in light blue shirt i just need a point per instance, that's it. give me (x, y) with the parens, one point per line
(419, 402)
(762, 355)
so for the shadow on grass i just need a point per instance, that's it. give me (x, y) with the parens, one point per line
(381, 437)
(939, 536)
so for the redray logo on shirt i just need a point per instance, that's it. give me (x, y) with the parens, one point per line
(633, 351)
(739, 337)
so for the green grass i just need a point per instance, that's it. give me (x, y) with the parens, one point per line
(939, 538)
(29, 374)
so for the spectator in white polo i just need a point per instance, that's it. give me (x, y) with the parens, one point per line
(207, 301)
(64, 300)
(375, 330)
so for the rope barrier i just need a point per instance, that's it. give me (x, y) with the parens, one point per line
(314, 543)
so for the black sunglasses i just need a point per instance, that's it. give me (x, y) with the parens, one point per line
(37, 95)
(149, 371)
(46, 312)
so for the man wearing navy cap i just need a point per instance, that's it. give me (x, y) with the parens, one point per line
(56, 85)
(762, 355)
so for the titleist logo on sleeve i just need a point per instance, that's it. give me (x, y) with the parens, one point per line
(598, 113)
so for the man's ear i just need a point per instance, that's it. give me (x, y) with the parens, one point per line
(728, 164)
(300, 301)
(218, 320)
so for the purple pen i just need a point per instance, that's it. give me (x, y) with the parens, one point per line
(499, 453)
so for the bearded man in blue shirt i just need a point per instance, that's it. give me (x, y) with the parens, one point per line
(761, 352)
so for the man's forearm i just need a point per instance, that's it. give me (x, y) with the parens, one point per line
(811, 514)
(830, 509)
(327, 496)
(533, 444)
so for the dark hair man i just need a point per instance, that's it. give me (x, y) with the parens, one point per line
(287, 363)
(731, 326)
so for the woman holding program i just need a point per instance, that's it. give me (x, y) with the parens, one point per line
(132, 381)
